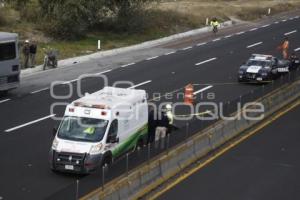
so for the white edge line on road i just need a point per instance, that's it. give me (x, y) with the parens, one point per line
(201, 44)
(267, 25)
(172, 52)
(254, 29)
(186, 48)
(104, 72)
(29, 123)
(203, 89)
(253, 45)
(298, 49)
(284, 20)
(289, 33)
(228, 36)
(5, 100)
(218, 39)
(37, 91)
(296, 17)
(140, 84)
(277, 22)
(240, 33)
(128, 65)
(152, 58)
(206, 61)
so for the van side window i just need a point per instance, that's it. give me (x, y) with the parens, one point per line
(113, 130)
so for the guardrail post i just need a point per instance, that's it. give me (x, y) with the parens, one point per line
(187, 130)
(77, 190)
(127, 163)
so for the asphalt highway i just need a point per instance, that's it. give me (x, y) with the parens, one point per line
(26, 123)
(266, 166)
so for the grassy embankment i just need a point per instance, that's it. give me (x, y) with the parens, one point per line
(166, 18)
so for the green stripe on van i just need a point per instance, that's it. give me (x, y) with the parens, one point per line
(130, 142)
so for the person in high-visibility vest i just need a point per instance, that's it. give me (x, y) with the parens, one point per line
(284, 47)
(215, 24)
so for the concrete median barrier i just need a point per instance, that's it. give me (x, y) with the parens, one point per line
(148, 176)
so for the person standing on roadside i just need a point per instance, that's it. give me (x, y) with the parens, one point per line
(33, 50)
(26, 53)
(284, 47)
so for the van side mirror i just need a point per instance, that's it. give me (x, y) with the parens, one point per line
(54, 131)
(113, 139)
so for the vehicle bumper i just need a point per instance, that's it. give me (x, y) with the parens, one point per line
(74, 162)
(257, 79)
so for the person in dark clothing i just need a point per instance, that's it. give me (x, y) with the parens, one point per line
(161, 129)
(26, 53)
(152, 124)
(32, 50)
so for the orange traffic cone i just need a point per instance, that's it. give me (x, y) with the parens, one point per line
(189, 94)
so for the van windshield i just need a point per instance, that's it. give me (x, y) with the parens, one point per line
(82, 129)
(7, 51)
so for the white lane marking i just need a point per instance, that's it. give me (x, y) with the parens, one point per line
(201, 44)
(291, 18)
(254, 29)
(172, 52)
(186, 48)
(264, 26)
(284, 20)
(296, 17)
(228, 36)
(289, 33)
(5, 100)
(127, 65)
(203, 89)
(298, 49)
(206, 61)
(152, 58)
(253, 45)
(218, 39)
(240, 33)
(29, 123)
(140, 84)
(37, 91)
(104, 72)
(277, 22)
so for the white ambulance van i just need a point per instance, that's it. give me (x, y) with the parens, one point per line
(98, 128)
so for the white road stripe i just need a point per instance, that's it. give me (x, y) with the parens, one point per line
(253, 45)
(5, 100)
(172, 52)
(29, 123)
(127, 65)
(140, 84)
(264, 26)
(289, 33)
(284, 20)
(104, 72)
(206, 61)
(228, 36)
(37, 91)
(298, 49)
(152, 58)
(254, 29)
(201, 44)
(186, 48)
(296, 17)
(203, 89)
(218, 39)
(240, 33)
(277, 22)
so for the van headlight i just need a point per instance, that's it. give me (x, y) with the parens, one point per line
(96, 149)
(55, 144)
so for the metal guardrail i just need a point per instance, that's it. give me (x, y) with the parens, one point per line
(140, 168)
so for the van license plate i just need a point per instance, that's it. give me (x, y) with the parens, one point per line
(69, 167)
